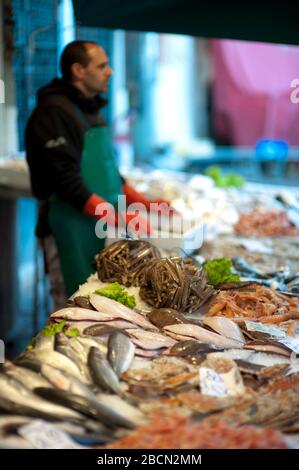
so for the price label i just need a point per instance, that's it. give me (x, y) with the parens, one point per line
(43, 435)
(271, 330)
(291, 343)
(211, 383)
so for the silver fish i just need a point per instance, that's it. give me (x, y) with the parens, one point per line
(35, 358)
(66, 382)
(224, 326)
(149, 353)
(15, 442)
(70, 400)
(74, 387)
(77, 313)
(27, 377)
(87, 327)
(272, 347)
(267, 359)
(89, 342)
(43, 342)
(101, 371)
(90, 407)
(102, 304)
(123, 408)
(150, 340)
(15, 392)
(121, 352)
(64, 345)
(197, 332)
(10, 423)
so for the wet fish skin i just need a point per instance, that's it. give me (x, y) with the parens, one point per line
(36, 358)
(121, 352)
(102, 329)
(27, 377)
(13, 391)
(62, 380)
(15, 442)
(132, 413)
(161, 317)
(270, 346)
(43, 342)
(191, 347)
(82, 302)
(150, 339)
(203, 335)
(101, 371)
(88, 342)
(148, 353)
(243, 267)
(63, 345)
(78, 313)
(103, 304)
(73, 387)
(10, 423)
(225, 326)
(71, 400)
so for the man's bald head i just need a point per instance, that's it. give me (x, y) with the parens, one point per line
(85, 64)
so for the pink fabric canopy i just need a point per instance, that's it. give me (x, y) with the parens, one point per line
(251, 91)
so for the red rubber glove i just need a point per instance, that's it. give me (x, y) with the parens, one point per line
(134, 196)
(140, 226)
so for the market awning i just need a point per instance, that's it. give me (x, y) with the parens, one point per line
(277, 22)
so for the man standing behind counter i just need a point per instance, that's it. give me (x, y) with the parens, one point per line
(72, 166)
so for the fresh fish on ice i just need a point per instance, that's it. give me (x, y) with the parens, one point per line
(121, 352)
(203, 335)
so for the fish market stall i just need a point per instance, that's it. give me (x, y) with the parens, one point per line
(159, 352)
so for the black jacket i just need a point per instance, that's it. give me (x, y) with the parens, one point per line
(54, 142)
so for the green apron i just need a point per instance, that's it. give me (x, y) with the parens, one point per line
(74, 233)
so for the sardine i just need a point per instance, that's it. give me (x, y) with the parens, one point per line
(194, 331)
(121, 352)
(101, 371)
